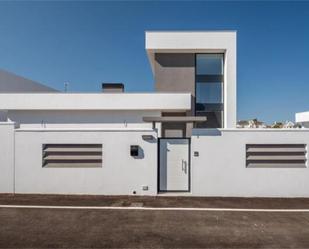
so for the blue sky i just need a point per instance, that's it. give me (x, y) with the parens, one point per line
(86, 43)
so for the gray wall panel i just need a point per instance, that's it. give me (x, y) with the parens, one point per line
(174, 72)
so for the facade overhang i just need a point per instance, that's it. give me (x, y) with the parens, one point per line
(96, 101)
(195, 42)
(189, 42)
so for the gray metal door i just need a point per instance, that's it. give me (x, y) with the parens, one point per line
(174, 165)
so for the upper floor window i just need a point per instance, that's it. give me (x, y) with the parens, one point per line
(209, 64)
(209, 89)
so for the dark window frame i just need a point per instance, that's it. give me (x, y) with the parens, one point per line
(201, 77)
(200, 85)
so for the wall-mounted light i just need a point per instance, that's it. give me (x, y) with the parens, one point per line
(147, 137)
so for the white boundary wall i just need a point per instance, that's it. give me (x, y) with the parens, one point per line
(120, 173)
(6, 157)
(220, 169)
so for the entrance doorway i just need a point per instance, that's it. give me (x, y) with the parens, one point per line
(174, 165)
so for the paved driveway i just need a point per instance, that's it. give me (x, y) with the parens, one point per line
(83, 228)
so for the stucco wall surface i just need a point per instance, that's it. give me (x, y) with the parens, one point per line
(220, 169)
(95, 101)
(81, 119)
(302, 118)
(6, 157)
(120, 173)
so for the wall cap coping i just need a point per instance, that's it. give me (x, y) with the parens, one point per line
(82, 129)
(7, 123)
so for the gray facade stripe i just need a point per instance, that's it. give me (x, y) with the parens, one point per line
(175, 119)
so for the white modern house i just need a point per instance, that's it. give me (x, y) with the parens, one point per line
(181, 139)
(302, 118)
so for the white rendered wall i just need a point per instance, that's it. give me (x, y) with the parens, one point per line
(95, 101)
(220, 169)
(12, 83)
(81, 119)
(6, 157)
(302, 118)
(120, 174)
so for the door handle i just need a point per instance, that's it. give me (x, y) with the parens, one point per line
(184, 165)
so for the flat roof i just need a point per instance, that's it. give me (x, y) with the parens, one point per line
(95, 101)
(189, 40)
(191, 31)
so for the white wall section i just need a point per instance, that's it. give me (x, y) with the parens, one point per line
(81, 119)
(193, 40)
(220, 169)
(12, 83)
(96, 101)
(302, 118)
(6, 157)
(120, 174)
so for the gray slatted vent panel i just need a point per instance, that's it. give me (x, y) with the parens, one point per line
(276, 155)
(72, 155)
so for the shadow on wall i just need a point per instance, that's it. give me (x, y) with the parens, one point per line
(140, 152)
(149, 138)
(175, 59)
(77, 117)
(3, 116)
(206, 132)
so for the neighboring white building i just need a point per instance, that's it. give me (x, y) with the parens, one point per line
(302, 118)
(12, 83)
(181, 139)
(252, 123)
(289, 124)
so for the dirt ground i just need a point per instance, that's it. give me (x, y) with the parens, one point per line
(157, 201)
(78, 228)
